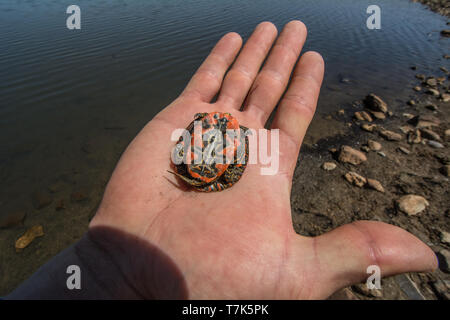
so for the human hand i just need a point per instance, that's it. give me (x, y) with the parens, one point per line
(171, 242)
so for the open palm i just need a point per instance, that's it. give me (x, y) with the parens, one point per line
(239, 243)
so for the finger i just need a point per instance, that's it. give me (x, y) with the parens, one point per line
(344, 254)
(241, 76)
(297, 107)
(271, 82)
(207, 80)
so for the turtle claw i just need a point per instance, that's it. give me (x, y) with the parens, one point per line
(188, 180)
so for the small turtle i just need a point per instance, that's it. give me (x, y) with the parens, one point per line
(217, 161)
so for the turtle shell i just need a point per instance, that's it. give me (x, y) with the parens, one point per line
(217, 160)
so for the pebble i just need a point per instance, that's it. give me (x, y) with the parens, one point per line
(365, 149)
(445, 237)
(363, 116)
(41, 199)
(405, 129)
(447, 133)
(10, 219)
(423, 121)
(433, 92)
(444, 260)
(382, 154)
(364, 290)
(390, 135)
(328, 166)
(375, 103)
(28, 237)
(378, 115)
(435, 144)
(446, 56)
(431, 82)
(412, 204)
(404, 150)
(445, 33)
(443, 69)
(408, 115)
(368, 127)
(374, 145)
(375, 184)
(445, 97)
(430, 134)
(411, 103)
(341, 112)
(431, 106)
(420, 76)
(355, 179)
(417, 88)
(350, 155)
(414, 137)
(445, 170)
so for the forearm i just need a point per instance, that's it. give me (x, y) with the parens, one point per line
(100, 278)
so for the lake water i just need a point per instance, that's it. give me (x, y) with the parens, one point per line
(71, 100)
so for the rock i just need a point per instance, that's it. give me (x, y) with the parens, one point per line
(433, 92)
(445, 33)
(13, 218)
(424, 121)
(440, 80)
(447, 133)
(77, 196)
(445, 97)
(431, 82)
(343, 294)
(363, 116)
(375, 103)
(373, 145)
(41, 199)
(365, 149)
(381, 154)
(414, 137)
(355, 179)
(431, 106)
(412, 204)
(405, 129)
(420, 76)
(444, 260)
(411, 103)
(341, 112)
(429, 134)
(375, 184)
(409, 287)
(350, 155)
(417, 88)
(28, 237)
(378, 115)
(368, 127)
(446, 56)
(408, 115)
(328, 166)
(445, 237)
(445, 170)
(364, 290)
(390, 135)
(404, 150)
(443, 69)
(435, 144)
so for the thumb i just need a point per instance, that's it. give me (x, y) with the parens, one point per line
(345, 253)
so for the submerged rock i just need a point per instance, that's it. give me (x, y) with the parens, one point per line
(28, 237)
